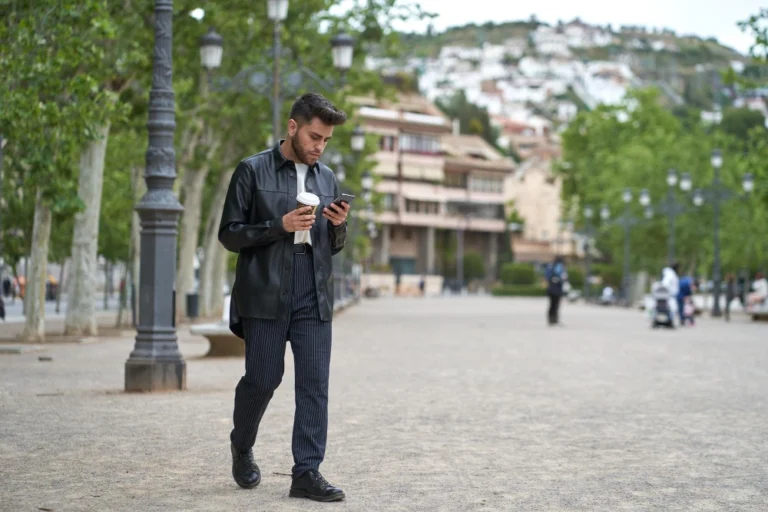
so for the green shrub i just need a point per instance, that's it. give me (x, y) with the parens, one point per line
(474, 266)
(576, 278)
(518, 274)
(511, 290)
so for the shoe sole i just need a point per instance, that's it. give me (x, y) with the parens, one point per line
(245, 485)
(314, 497)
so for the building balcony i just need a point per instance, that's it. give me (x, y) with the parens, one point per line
(415, 166)
(441, 221)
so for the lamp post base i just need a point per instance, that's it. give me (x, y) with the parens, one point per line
(147, 375)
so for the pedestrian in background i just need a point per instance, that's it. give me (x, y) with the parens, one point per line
(730, 294)
(556, 276)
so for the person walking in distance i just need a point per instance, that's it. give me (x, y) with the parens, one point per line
(283, 288)
(556, 277)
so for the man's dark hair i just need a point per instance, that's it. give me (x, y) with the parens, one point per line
(313, 105)
(676, 267)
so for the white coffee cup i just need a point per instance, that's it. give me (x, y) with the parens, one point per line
(308, 199)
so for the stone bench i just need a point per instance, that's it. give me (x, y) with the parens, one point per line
(223, 342)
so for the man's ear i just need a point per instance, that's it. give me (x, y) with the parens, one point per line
(293, 127)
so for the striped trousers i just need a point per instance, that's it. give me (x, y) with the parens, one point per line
(265, 342)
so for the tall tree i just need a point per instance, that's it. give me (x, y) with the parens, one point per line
(125, 39)
(473, 119)
(633, 146)
(48, 104)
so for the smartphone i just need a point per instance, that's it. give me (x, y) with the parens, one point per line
(346, 198)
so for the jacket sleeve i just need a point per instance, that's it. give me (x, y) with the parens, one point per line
(235, 233)
(338, 234)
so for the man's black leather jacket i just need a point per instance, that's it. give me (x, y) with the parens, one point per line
(262, 190)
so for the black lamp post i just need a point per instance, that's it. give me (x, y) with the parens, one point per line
(717, 163)
(588, 213)
(254, 77)
(366, 183)
(156, 363)
(673, 208)
(2, 209)
(277, 11)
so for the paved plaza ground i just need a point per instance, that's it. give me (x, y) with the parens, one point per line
(439, 404)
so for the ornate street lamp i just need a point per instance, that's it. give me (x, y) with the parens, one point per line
(155, 364)
(211, 49)
(277, 10)
(685, 182)
(342, 47)
(717, 163)
(357, 140)
(645, 197)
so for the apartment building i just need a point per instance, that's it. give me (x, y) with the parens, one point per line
(536, 195)
(435, 184)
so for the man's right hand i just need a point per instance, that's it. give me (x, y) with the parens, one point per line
(298, 220)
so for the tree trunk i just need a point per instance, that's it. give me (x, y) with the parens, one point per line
(123, 291)
(208, 286)
(139, 186)
(220, 272)
(61, 285)
(81, 310)
(34, 297)
(194, 182)
(107, 283)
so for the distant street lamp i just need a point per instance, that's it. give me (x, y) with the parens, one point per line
(718, 193)
(2, 209)
(717, 164)
(211, 49)
(343, 47)
(254, 77)
(588, 213)
(357, 139)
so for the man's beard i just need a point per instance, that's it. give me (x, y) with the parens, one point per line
(300, 153)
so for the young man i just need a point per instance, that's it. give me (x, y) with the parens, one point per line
(283, 289)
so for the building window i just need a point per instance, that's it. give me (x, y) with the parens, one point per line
(388, 202)
(487, 184)
(387, 143)
(428, 207)
(484, 211)
(456, 180)
(419, 143)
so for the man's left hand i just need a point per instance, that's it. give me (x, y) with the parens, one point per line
(336, 214)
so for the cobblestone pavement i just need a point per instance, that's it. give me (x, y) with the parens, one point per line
(444, 404)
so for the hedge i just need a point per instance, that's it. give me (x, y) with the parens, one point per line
(517, 290)
(517, 274)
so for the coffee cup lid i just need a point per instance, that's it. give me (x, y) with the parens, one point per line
(308, 199)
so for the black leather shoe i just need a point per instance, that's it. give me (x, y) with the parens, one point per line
(312, 485)
(244, 469)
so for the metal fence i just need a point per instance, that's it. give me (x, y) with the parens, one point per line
(346, 283)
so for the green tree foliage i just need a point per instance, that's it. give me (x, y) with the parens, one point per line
(740, 121)
(757, 27)
(472, 118)
(633, 146)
